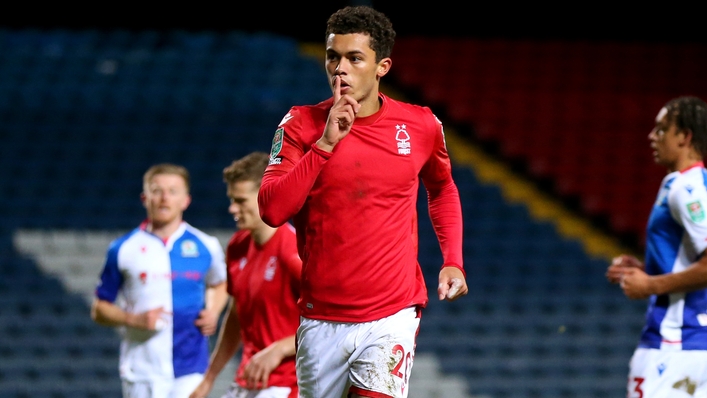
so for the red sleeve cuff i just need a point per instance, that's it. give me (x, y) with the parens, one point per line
(321, 152)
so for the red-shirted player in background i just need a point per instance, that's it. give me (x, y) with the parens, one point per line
(347, 171)
(264, 280)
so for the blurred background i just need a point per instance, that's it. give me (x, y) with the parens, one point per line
(546, 112)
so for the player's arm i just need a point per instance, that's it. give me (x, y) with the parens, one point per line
(258, 370)
(687, 208)
(215, 294)
(289, 179)
(446, 216)
(291, 174)
(636, 284)
(216, 298)
(105, 313)
(229, 339)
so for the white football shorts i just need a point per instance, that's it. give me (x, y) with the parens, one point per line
(662, 373)
(237, 391)
(371, 359)
(180, 387)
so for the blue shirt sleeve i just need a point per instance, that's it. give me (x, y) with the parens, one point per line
(111, 277)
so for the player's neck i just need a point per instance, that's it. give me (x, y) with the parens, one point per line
(687, 162)
(370, 105)
(164, 230)
(262, 234)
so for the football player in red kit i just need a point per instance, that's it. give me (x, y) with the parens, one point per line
(263, 279)
(347, 172)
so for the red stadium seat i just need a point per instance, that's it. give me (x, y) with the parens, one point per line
(576, 112)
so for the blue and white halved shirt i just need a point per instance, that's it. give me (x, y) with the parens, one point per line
(676, 238)
(145, 272)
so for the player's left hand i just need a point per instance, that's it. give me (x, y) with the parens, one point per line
(452, 284)
(636, 284)
(207, 322)
(258, 370)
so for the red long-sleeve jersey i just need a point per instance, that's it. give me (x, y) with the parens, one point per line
(264, 281)
(354, 209)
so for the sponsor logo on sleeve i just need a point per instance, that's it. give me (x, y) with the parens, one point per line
(696, 211)
(285, 119)
(276, 146)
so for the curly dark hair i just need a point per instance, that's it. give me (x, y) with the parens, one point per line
(366, 20)
(690, 113)
(248, 168)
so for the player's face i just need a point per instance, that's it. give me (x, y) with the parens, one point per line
(165, 198)
(665, 140)
(351, 57)
(244, 205)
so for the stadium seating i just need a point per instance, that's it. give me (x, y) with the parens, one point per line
(540, 321)
(575, 113)
(82, 116)
(84, 113)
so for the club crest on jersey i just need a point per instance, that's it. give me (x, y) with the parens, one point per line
(243, 262)
(697, 212)
(270, 268)
(189, 249)
(276, 146)
(403, 138)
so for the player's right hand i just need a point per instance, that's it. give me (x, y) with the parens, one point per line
(452, 284)
(341, 117)
(636, 284)
(619, 265)
(146, 320)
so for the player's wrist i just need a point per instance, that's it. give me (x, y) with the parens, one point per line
(656, 285)
(129, 320)
(209, 378)
(325, 145)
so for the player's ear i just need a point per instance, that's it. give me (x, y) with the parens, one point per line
(383, 67)
(143, 199)
(686, 137)
(186, 203)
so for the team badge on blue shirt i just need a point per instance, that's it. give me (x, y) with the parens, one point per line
(189, 249)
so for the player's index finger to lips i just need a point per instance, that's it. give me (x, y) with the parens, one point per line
(337, 89)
